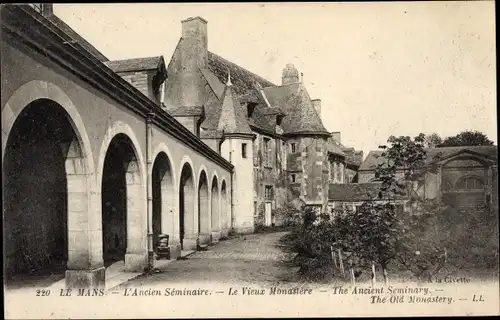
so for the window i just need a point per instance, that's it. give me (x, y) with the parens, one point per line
(244, 150)
(470, 183)
(267, 152)
(268, 193)
(338, 171)
(292, 147)
(293, 178)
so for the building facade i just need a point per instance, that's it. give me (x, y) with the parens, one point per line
(293, 157)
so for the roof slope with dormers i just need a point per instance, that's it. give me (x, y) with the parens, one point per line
(301, 116)
(243, 80)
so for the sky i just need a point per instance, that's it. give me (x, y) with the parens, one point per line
(380, 69)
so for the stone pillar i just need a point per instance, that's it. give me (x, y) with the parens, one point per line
(136, 258)
(85, 268)
(170, 216)
(215, 215)
(190, 240)
(204, 235)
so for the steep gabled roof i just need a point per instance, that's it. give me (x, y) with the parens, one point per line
(334, 147)
(76, 37)
(232, 117)
(301, 116)
(136, 64)
(375, 157)
(243, 80)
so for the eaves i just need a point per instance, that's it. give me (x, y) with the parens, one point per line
(35, 31)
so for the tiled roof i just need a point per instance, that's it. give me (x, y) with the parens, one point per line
(334, 147)
(272, 111)
(243, 80)
(353, 191)
(137, 64)
(232, 116)
(301, 116)
(375, 157)
(76, 37)
(211, 134)
(187, 111)
(213, 109)
(261, 120)
(214, 82)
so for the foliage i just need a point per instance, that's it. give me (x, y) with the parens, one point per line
(467, 138)
(406, 156)
(432, 140)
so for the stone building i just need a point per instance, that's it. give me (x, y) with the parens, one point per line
(460, 176)
(101, 157)
(291, 156)
(94, 168)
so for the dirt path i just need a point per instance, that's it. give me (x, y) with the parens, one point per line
(250, 259)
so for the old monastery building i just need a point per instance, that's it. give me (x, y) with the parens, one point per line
(102, 157)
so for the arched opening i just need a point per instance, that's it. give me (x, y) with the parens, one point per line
(186, 203)
(223, 208)
(214, 199)
(203, 213)
(163, 197)
(120, 175)
(44, 179)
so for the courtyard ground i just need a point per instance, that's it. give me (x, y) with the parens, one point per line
(250, 259)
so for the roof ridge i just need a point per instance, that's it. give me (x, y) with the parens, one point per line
(253, 74)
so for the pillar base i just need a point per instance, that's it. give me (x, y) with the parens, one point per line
(204, 238)
(175, 251)
(136, 262)
(85, 279)
(216, 235)
(224, 233)
(189, 244)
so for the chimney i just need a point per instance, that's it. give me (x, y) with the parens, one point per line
(289, 75)
(194, 55)
(336, 137)
(317, 105)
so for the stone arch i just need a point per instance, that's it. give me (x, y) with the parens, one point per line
(215, 207)
(49, 165)
(170, 225)
(163, 193)
(187, 205)
(122, 177)
(204, 220)
(224, 208)
(39, 89)
(470, 182)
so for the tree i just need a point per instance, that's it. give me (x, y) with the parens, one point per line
(467, 138)
(420, 247)
(432, 140)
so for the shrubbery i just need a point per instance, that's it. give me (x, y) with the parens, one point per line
(377, 236)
